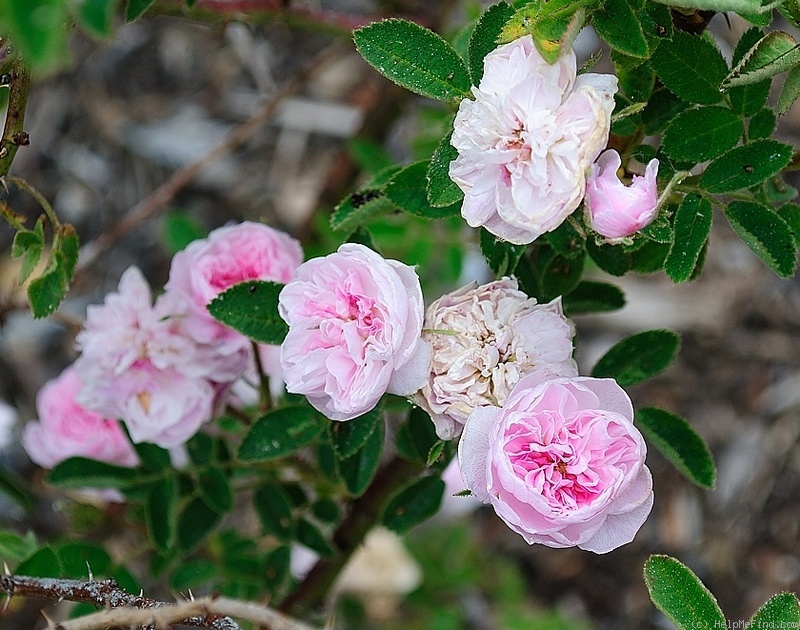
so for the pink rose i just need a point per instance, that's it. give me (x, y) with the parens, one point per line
(483, 340)
(138, 365)
(561, 463)
(526, 141)
(354, 331)
(613, 209)
(228, 256)
(66, 429)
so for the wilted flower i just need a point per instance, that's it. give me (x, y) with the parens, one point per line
(561, 463)
(483, 340)
(354, 331)
(524, 144)
(67, 429)
(613, 209)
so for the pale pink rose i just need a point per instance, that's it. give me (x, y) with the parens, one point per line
(562, 463)
(613, 209)
(227, 256)
(483, 340)
(67, 429)
(526, 141)
(354, 331)
(163, 407)
(138, 365)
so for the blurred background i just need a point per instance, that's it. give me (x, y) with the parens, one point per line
(130, 112)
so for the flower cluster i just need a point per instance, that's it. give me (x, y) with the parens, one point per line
(556, 454)
(527, 141)
(162, 368)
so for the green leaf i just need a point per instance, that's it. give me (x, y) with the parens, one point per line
(780, 611)
(359, 208)
(77, 559)
(443, 191)
(96, 16)
(252, 309)
(276, 568)
(14, 488)
(762, 124)
(358, 470)
(791, 214)
(28, 244)
(36, 28)
(413, 504)
(160, 512)
(201, 448)
(545, 274)
(46, 292)
(484, 38)
(679, 443)
(43, 563)
(702, 134)
(274, 509)
(136, 8)
(618, 23)
(501, 255)
(416, 437)
(690, 66)
(776, 52)
(609, 258)
(790, 90)
(311, 537)
(14, 547)
(639, 357)
(746, 166)
(193, 574)
(593, 297)
(649, 256)
(407, 190)
(81, 472)
(435, 453)
(740, 6)
(215, 490)
(680, 595)
(662, 109)
(746, 100)
(195, 522)
(692, 227)
(326, 510)
(766, 233)
(179, 230)
(281, 432)
(152, 458)
(553, 24)
(414, 58)
(348, 437)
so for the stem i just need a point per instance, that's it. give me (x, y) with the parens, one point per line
(39, 197)
(13, 134)
(363, 515)
(264, 395)
(106, 593)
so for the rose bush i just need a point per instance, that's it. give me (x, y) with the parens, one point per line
(524, 144)
(613, 209)
(354, 331)
(561, 463)
(483, 340)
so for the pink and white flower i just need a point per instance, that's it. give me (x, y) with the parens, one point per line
(561, 463)
(354, 331)
(617, 211)
(483, 340)
(137, 365)
(527, 139)
(67, 429)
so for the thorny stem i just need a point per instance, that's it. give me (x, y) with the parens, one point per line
(362, 516)
(159, 199)
(106, 593)
(19, 81)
